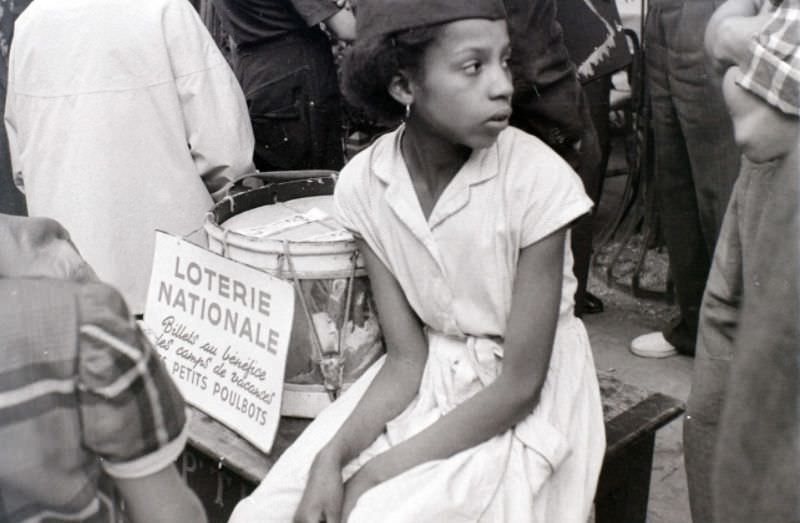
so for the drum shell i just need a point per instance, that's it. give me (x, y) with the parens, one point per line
(316, 265)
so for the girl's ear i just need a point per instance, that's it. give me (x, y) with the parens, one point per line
(400, 88)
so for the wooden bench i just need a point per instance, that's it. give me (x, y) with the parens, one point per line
(223, 468)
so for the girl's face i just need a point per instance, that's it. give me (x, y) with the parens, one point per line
(762, 132)
(462, 93)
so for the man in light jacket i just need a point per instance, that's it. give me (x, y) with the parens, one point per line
(123, 117)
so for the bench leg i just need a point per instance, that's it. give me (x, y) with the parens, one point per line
(218, 488)
(625, 484)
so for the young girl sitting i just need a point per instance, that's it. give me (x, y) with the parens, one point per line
(486, 406)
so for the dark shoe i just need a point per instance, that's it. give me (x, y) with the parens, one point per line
(592, 304)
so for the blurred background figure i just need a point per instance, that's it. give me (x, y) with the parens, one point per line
(12, 201)
(123, 117)
(597, 46)
(696, 159)
(742, 429)
(549, 103)
(284, 62)
(85, 402)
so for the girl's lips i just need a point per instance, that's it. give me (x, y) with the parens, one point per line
(501, 116)
(497, 125)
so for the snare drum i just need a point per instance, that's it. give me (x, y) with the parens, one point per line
(287, 229)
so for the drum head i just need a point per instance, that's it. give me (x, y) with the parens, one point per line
(303, 219)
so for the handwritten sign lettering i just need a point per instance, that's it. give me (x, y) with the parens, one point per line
(222, 329)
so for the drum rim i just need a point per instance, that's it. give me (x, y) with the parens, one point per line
(270, 193)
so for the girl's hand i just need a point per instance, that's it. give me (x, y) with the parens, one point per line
(322, 498)
(360, 482)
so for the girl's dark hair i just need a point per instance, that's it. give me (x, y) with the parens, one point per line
(368, 67)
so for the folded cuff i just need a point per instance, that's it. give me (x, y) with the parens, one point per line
(150, 463)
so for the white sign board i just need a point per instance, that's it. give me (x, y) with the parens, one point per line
(222, 329)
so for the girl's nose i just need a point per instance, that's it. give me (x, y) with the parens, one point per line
(501, 85)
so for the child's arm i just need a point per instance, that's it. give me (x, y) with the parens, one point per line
(177, 502)
(762, 131)
(390, 392)
(512, 396)
(730, 30)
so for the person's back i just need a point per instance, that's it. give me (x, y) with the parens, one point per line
(83, 399)
(123, 116)
(743, 421)
(253, 22)
(285, 65)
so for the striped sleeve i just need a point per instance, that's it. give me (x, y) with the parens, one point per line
(773, 70)
(132, 414)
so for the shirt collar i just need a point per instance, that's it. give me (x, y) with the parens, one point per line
(388, 165)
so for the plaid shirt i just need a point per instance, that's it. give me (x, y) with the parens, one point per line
(82, 393)
(773, 72)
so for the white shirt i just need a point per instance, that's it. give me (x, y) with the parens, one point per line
(457, 269)
(121, 115)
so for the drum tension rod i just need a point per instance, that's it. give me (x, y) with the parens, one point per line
(332, 371)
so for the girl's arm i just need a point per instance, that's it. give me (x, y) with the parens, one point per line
(512, 396)
(390, 392)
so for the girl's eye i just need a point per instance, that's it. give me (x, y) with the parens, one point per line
(472, 67)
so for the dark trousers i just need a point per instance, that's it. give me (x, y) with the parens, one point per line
(12, 201)
(594, 143)
(292, 95)
(550, 104)
(581, 150)
(696, 159)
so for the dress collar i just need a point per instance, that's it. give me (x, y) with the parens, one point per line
(388, 165)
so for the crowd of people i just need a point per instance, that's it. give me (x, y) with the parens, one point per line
(473, 214)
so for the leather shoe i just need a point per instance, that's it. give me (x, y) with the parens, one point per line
(592, 304)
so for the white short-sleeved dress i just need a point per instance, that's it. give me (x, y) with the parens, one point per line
(457, 271)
